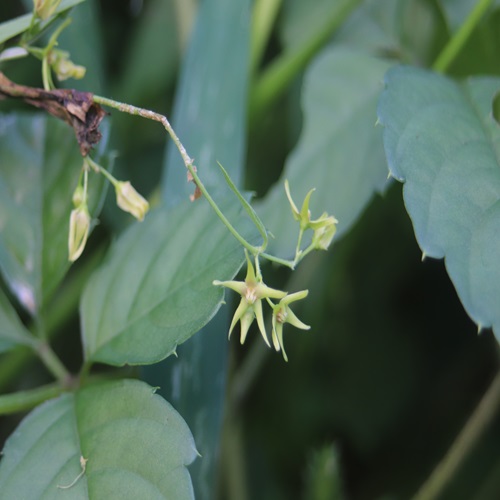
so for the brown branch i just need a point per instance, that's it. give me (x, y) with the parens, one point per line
(76, 108)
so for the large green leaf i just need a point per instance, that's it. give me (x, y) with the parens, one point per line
(340, 151)
(136, 446)
(441, 140)
(155, 290)
(41, 163)
(12, 331)
(16, 26)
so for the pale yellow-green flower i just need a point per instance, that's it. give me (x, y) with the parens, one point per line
(324, 230)
(324, 227)
(45, 8)
(63, 67)
(283, 314)
(252, 291)
(129, 200)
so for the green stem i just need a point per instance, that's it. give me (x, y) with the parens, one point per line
(248, 208)
(278, 260)
(53, 38)
(455, 44)
(275, 79)
(25, 400)
(483, 415)
(53, 363)
(48, 84)
(59, 311)
(188, 162)
(263, 18)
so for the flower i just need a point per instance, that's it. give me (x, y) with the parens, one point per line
(252, 291)
(129, 200)
(45, 8)
(79, 227)
(304, 216)
(283, 314)
(324, 230)
(63, 67)
(324, 227)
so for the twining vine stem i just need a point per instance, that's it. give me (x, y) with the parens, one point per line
(188, 161)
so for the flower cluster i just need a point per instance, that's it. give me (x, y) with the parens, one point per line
(253, 291)
(324, 227)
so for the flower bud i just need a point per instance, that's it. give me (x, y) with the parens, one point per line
(129, 200)
(78, 196)
(63, 67)
(45, 8)
(79, 227)
(324, 232)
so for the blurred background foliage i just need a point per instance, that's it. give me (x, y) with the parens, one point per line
(377, 391)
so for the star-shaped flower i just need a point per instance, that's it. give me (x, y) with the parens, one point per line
(283, 314)
(252, 291)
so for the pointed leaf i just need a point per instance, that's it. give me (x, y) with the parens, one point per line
(155, 290)
(441, 140)
(12, 331)
(41, 164)
(13, 27)
(340, 151)
(136, 446)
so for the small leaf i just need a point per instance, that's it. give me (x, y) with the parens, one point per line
(40, 169)
(340, 151)
(12, 331)
(14, 27)
(134, 443)
(155, 290)
(442, 141)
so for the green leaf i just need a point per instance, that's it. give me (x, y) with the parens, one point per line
(41, 164)
(155, 38)
(14, 27)
(442, 141)
(85, 26)
(210, 118)
(155, 290)
(340, 150)
(12, 331)
(210, 108)
(136, 446)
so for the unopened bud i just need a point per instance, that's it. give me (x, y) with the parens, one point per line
(79, 227)
(45, 8)
(63, 67)
(78, 196)
(323, 235)
(129, 200)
